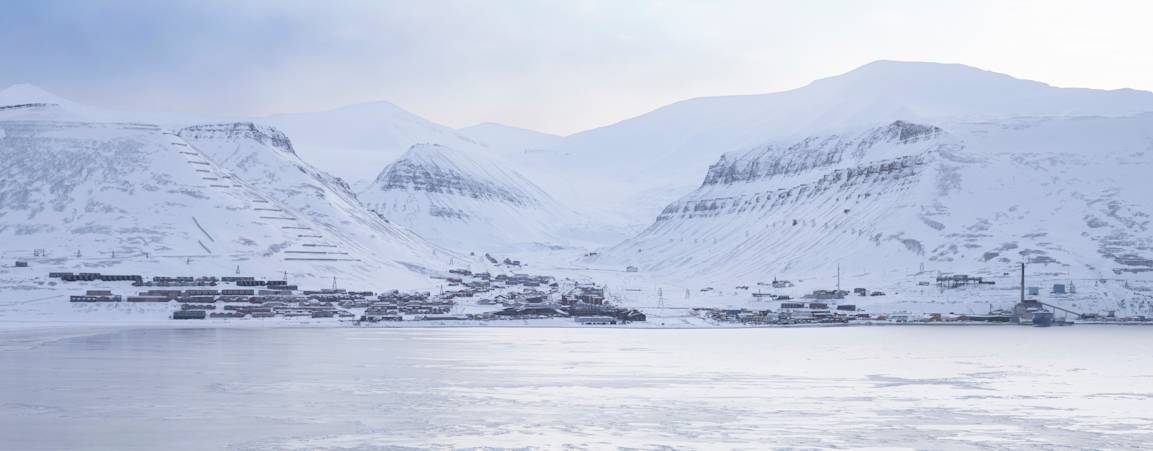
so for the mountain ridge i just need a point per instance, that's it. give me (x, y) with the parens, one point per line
(974, 198)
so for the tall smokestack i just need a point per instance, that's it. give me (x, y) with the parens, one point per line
(1022, 282)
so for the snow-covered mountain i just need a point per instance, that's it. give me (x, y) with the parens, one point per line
(691, 132)
(264, 158)
(466, 200)
(662, 152)
(355, 141)
(134, 197)
(881, 164)
(1067, 194)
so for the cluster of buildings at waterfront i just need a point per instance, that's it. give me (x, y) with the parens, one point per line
(464, 295)
(487, 296)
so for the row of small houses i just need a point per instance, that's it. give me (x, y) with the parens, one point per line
(514, 279)
(584, 314)
(838, 294)
(212, 295)
(138, 280)
(598, 313)
(198, 307)
(502, 280)
(526, 280)
(391, 305)
(94, 276)
(386, 312)
(522, 279)
(474, 284)
(314, 309)
(789, 313)
(588, 295)
(89, 276)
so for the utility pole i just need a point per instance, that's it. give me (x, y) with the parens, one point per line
(661, 303)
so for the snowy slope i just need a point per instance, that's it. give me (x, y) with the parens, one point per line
(467, 200)
(135, 198)
(28, 95)
(355, 141)
(510, 141)
(264, 158)
(1069, 195)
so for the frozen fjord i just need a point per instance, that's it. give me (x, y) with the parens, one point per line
(280, 388)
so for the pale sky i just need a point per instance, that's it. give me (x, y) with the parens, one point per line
(555, 66)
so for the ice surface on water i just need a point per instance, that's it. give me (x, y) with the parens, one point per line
(272, 389)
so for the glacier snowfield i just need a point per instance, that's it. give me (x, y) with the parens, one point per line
(496, 388)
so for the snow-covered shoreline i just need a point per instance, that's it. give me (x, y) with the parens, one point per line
(684, 323)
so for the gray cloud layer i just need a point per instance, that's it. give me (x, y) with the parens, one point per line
(559, 66)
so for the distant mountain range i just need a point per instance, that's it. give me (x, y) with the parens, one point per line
(670, 146)
(899, 164)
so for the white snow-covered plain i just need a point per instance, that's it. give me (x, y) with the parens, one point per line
(923, 387)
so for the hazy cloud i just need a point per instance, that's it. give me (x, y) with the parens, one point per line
(558, 66)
